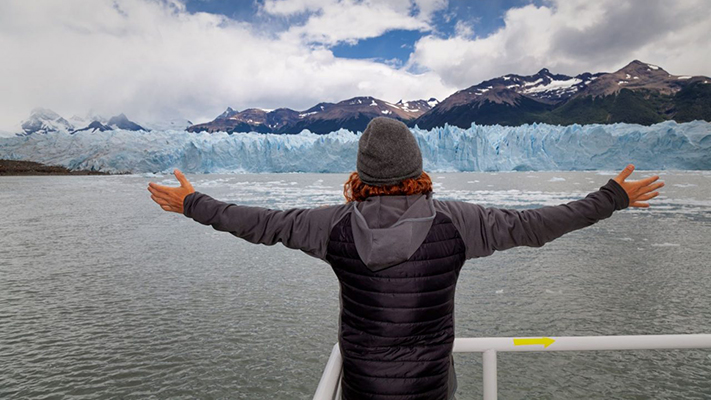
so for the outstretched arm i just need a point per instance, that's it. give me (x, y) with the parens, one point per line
(486, 230)
(305, 229)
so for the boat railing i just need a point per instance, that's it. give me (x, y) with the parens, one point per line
(329, 387)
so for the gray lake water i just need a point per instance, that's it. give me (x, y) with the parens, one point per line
(104, 295)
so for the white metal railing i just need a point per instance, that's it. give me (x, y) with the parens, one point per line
(329, 387)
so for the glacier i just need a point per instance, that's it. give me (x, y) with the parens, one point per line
(535, 147)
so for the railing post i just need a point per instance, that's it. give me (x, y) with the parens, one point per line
(329, 387)
(490, 380)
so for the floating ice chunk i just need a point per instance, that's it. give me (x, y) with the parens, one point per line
(666, 244)
(556, 179)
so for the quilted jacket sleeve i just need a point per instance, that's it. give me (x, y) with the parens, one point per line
(305, 229)
(486, 230)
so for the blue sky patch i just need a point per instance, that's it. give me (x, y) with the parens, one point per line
(393, 47)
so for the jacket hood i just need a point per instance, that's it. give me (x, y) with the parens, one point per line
(388, 229)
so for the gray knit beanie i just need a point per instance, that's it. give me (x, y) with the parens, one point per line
(388, 153)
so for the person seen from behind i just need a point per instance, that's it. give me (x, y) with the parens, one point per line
(397, 252)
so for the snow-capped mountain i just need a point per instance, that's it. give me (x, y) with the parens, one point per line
(637, 93)
(76, 120)
(641, 76)
(353, 114)
(43, 120)
(417, 106)
(122, 122)
(543, 86)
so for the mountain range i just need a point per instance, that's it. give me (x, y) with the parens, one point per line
(352, 114)
(43, 120)
(639, 93)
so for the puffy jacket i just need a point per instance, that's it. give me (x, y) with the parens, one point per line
(397, 259)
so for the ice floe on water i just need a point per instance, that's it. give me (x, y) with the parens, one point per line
(312, 190)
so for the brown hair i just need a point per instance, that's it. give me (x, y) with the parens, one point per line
(355, 190)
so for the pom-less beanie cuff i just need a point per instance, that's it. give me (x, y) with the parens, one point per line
(388, 153)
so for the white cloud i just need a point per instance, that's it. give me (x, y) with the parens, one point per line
(291, 7)
(574, 36)
(463, 29)
(335, 21)
(152, 60)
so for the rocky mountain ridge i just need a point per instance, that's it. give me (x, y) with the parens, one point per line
(352, 114)
(637, 93)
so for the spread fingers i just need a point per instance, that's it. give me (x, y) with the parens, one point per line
(652, 187)
(159, 194)
(647, 181)
(648, 196)
(159, 188)
(160, 201)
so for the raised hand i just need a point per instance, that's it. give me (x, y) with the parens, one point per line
(171, 198)
(638, 191)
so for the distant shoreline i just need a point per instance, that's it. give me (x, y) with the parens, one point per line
(14, 167)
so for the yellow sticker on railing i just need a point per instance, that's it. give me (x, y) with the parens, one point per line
(544, 341)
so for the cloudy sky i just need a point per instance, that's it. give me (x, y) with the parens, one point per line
(164, 59)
